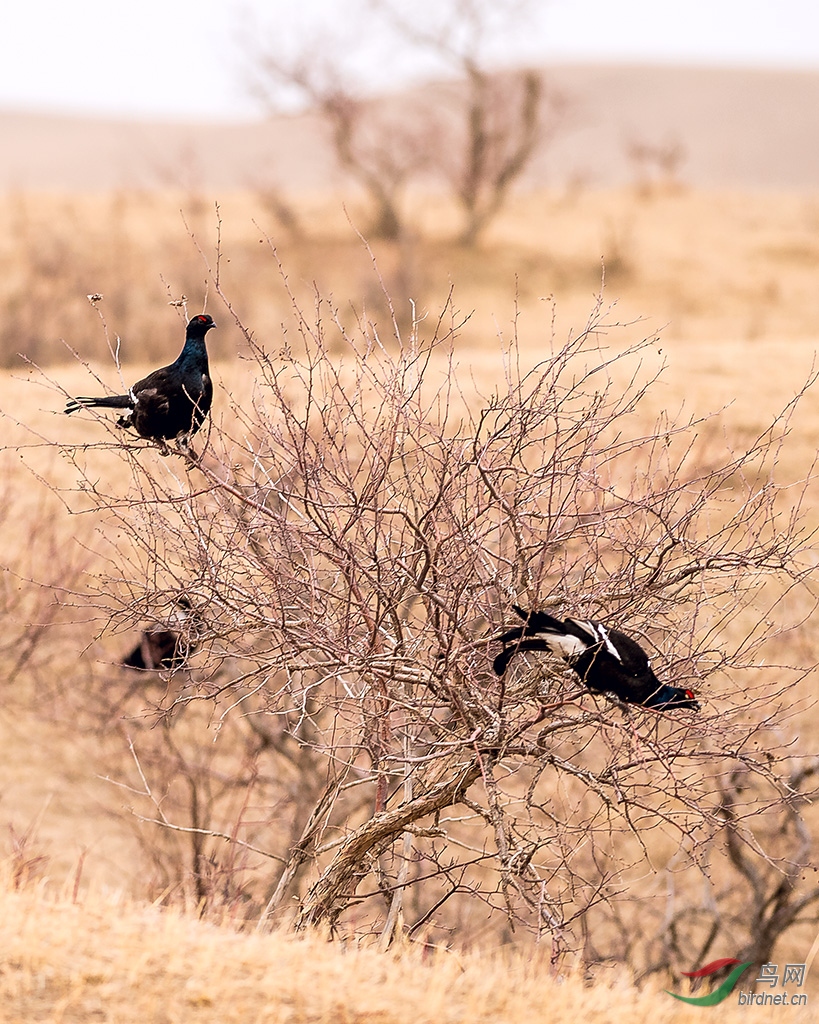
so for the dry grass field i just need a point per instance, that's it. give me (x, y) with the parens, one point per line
(725, 283)
(715, 268)
(106, 959)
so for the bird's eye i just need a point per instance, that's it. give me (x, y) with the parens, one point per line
(689, 694)
(202, 319)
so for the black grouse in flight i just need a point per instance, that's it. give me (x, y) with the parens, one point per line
(606, 660)
(171, 403)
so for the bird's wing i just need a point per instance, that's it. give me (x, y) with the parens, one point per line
(152, 400)
(155, 379)
(629, 653)
(585, 629)
(566, 645)
(538, 622)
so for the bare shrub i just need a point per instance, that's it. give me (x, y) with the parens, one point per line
(338, 751)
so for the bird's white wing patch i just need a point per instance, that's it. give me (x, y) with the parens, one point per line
(567, 647)
(603, 633)
(588, 627)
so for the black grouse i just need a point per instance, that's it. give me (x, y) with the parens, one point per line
(172, 402)
(157, 649)
(163, 648)
(606, 660)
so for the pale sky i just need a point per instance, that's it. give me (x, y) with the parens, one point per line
(185, 58)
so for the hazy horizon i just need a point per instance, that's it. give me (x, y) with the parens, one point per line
(180, 60)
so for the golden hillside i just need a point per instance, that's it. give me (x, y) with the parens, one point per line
(107, 959)
(736, 128)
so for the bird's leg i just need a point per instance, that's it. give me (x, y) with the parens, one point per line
(183, 443)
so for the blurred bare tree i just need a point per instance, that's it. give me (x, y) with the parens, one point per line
(477, 130)
(336, 750)
(656, 165)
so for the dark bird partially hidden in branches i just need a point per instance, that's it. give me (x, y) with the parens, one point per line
(157, 649)
(171, 403)
(164, 648)
(606, 660)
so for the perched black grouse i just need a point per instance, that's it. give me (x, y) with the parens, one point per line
(606, 660)
(172, 402)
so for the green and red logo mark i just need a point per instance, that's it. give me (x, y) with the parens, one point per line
(723, 990)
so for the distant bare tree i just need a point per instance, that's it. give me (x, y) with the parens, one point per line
(656, 165)
(480, 133)
(505, 128)
(500, 119)
(380, 152)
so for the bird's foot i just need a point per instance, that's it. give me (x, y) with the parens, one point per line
(617, 701)
(183, 447)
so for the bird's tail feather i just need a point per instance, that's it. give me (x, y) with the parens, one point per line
(111, 402)
(499, 665)
(538, 622)
(534, 623)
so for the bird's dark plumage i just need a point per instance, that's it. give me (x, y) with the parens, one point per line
(171, 402)
(157, 649)
(163, 648)
(606, 660)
